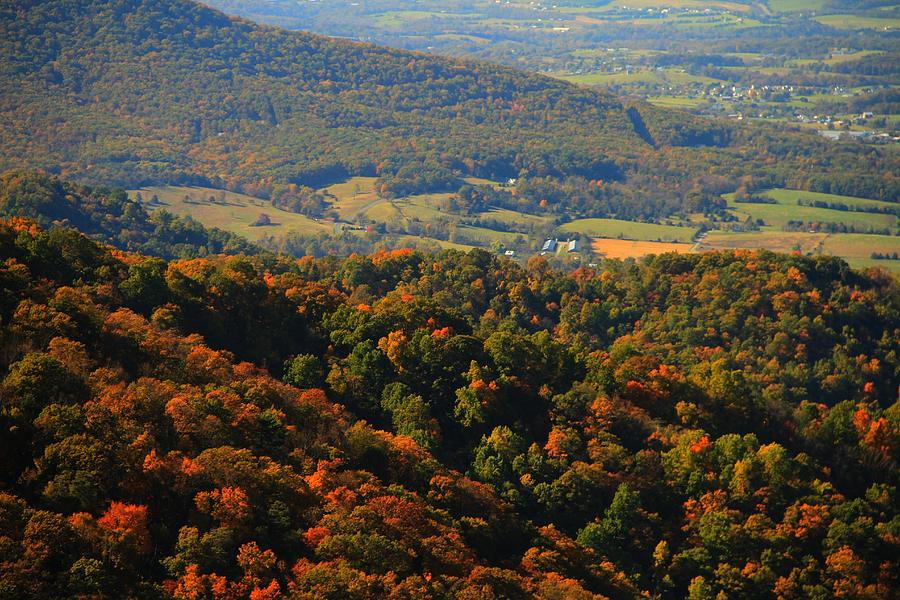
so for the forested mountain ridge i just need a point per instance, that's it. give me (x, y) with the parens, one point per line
(688, 426)
(140, 91)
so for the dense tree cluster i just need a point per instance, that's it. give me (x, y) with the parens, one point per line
(300, 199)
(445, 425)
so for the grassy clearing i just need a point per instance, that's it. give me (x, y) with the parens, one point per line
(842, 58)
(481, 181)
(855, 248)
(776, 241)
(486, 236)
(463, 38)
(785, 196)
(383, 212)
(864, 263)
(859, 22)
(653, 76)
(607, 248)
(413, 240)
(630, 230)
(796, 5)
(786, 209)
(676, 101)
(861, 246)
(353, 196)
(516, 219)
(396, 18)
(422, 207)
(236, 213)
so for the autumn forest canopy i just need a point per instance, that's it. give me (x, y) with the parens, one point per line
(442, 425)
(188, 414)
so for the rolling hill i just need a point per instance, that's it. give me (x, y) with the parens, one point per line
(137, 92)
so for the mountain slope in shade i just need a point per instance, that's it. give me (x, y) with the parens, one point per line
(140, 91)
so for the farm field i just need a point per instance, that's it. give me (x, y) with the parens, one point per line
(609, 248)
(677, 101)
(786, 209)
(355, 199)
(673, 76)
(483, 236)
(856, 249)
(236, 214)
(785, 196)
(413, 240)
(854, 244)
(796, 5)
(777, 241)
(863, 263)
(481, 181)
(516, 219)
(351, 197)
(859, 22)
(616, 228)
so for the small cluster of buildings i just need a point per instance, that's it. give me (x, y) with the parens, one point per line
(553, 245)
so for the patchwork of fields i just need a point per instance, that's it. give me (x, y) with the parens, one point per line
(355, 202)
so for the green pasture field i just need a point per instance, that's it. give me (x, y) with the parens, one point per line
(859, 22)
(856, 245)
(353, 196)
(676, 101)
(383, 212)
(412, 240)
(864, 263)
(617, 228)
(785, 196)
(486, 236)
(673, 76)
(516, 219)
(396, 18)
(481, 181)
(776, 241)
(237, 214)
(463, 38)
(786, 209)
(796, 5)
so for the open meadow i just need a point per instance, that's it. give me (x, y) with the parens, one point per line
(629, 230)
(856, 249)
(786, 208)
(230, 211)
(355, 200)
